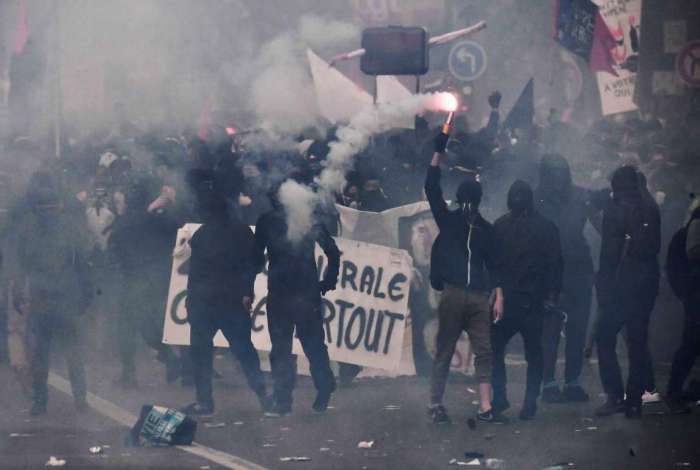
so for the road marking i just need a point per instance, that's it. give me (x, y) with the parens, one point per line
(123, 417)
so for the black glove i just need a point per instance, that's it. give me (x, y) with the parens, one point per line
(327, 285)
(440, 142)
(495, 99)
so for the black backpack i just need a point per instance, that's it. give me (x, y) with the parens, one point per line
(677, 265)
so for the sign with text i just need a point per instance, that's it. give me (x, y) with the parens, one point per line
(623, 19)
(364, 318)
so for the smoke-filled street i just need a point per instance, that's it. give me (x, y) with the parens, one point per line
(389, 412)
(350, 234)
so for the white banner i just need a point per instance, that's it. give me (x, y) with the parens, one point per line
(364, 319)
(623, 18)
(412, 228)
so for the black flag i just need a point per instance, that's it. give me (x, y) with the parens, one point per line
(523, 111)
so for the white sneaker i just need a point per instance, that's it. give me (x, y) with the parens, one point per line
(651, 397)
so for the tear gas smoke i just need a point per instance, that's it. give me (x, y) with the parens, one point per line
(283, 95)
(300, 201)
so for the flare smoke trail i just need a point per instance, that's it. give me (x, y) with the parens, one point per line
(300, 201)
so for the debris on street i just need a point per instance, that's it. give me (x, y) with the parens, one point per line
(54, 462)
(295, 459)
(214, 425)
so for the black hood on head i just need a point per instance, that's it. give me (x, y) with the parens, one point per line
(469, 191)
(555, 173)
(520, 198)
(625, 182)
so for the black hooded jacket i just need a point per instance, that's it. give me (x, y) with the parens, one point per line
(224, 263)
(631, 240)
(292, 270)
(529, 262)
(569, 207)
(463, 253)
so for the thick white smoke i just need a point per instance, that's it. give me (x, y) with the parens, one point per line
(282, 93)
(300, 201)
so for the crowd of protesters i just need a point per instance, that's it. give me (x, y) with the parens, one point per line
(96, 229)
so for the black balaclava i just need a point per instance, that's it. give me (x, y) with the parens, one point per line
(469, 193)
(555, 174)
(625, 183)
(520, 198)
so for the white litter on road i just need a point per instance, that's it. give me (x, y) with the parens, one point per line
(54, 462)
(295, 459)
(365, 444)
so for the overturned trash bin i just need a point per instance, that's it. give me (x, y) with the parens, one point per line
(159, 426)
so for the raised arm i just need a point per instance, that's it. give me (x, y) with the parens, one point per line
(433, 190)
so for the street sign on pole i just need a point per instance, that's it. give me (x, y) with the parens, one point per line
(467, 60)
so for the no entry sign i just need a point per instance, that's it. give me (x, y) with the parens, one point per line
(688, 64)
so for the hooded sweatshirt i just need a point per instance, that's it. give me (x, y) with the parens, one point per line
(529, 262)
(569, 207)
(463, 254)
(631, 240)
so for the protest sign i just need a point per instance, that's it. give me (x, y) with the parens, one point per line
(364, 319)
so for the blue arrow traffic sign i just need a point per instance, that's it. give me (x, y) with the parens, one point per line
(467, 60)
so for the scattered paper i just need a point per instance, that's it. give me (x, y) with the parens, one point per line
(324, 449)
(462, 463)
(95, 450)
(54, 462)
(471, 390)
(295, 459)
(238, 423)
(269, 445)
(17, 434)
(365, 444)
(214, 425)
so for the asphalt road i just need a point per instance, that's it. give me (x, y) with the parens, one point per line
(390, 412)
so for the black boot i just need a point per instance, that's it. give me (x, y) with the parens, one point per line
(552, 395)
(321, 403)
(529, 410)
(575, 393)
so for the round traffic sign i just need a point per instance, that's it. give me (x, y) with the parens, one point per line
(688, 64)
(467, 60)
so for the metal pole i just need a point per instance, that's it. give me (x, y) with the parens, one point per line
(57, 88)
(375, 91)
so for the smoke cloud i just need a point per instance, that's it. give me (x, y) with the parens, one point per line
(301, 201)
(283, 96)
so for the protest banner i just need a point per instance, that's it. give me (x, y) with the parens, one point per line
(364, 318)
(622, 18)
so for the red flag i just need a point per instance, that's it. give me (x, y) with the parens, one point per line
(601, 59)
(22, 31)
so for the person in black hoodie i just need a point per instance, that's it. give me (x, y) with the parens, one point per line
(569, 207)
(529, 268)
(141, 246)
(627, 285)
(683, 268)
(294, 302)
(220, 290)
(462, 266)
(51, 263)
